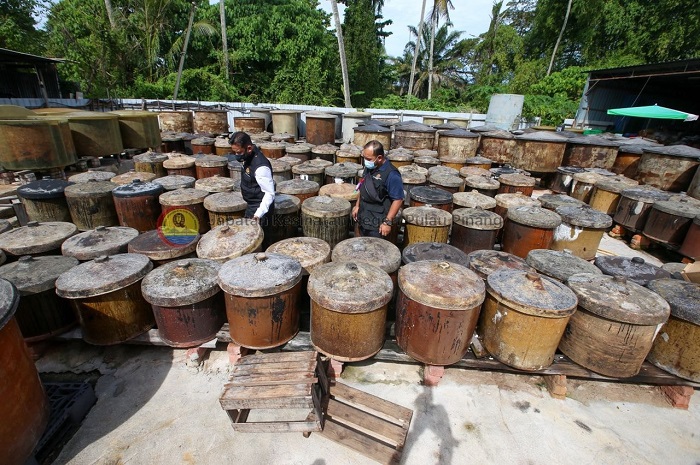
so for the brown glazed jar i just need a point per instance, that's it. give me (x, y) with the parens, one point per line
(203, 145)
(156, 247)
(180, 165)
(559, 264)
(580, 231)
(348, 309)
(224, 206)
(41, 313)
(512, 183)
(210, 165)
(563, 177)
(483, 184)
(634, 206)
(691, 243)
(45, 200)
(187, 199)
(91, 204)
(186, 300)
(106, 294)
(474, 229)
(37, 238)
(582, 185)
(273, 150)
(524, 317)
(554, 201)
(606, 193)
(486, 262)
(669, 221)
(437, 309)
(102, 240)
(614, 326)
(137, 205)
(231, 240)
(676, 349)
(529, 228)
(633, 269)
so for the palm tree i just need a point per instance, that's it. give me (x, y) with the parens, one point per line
(561, 34)
(341, 50)
(415, 52)
(440, 9)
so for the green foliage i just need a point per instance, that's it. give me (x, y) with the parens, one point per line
(18, 27)
(552, 109)
(568, 82)
(414, 103)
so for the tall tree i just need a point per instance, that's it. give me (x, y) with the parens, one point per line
(18, 27)
(419, 36)
(343, 58)
(561, 34)
(441, 9)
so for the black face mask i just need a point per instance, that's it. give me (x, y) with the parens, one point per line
(239, 158)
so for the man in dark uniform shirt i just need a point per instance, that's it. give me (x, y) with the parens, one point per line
(381, 193)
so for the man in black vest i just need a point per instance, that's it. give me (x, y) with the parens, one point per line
(257, 186)
(381, 193)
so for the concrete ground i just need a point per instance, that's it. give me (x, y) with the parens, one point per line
(153, 409)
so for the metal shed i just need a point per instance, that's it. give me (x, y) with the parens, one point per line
(28, 76)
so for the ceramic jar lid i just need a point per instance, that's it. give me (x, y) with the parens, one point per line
(137, 188)
(92, 176)
(427, 216)
(431, 195)
(32, 275)
(434, 251)
(175, 181)
(615, 184)
(531, 293)
(554, 201)
(682, 296)
(210, 161)
(413, 168)
(299, 148)
(179, 162)
(517, 179)
(442, 170)
(485, 262)
(182, 282)
(297, 186)
(150, 157)
(634, 269)
(278, 166)
(350, 287)
(325, 149)
(231, 240)
(559, 264)
(683, 151)
(372, 250)
(517, 199)
(154, 246)
(584, 216)
(341, 190)
(542, 136)
(307, 168)
(682, 208)
(412, 177)
(645, 194)
(35, 238)
(413, 126)
(100, 241)
(182, 197)
(131, 176)
(322, 206)
(43, 189)
(481, 182)
(90, 189)
(535, 217)
(309, 251)
(441, 284)
(286, 204)
(447, 180)
(473, 199)
(259, 275)
(459, 133)
(103, 275)
(477, 218)
(343, 170)
(215, 184)
(225, 202)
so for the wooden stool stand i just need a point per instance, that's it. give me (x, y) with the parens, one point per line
(278, 381)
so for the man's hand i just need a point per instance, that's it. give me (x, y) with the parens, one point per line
(384, 229)
(256, 219)
(355, 209)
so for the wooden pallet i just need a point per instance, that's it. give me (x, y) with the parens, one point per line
(374, 427)
(280, 381)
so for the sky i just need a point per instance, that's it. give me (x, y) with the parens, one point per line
(470, 16)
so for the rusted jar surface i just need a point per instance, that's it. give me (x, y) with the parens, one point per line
(174, 181)
(25, 409)
(172, 143)
(483, 184)
(614, 326)
(299, 188)
(606, 193)
(37, 238)
(524, 317)
(102, 240)
(309, 172)
(559, 264)
(499, 145)
(91, 204)
(207, 166)
(473, 199)
(91, 176)
(504, 202)
(437, 309)
(176, 121)
(203, 145)
(512, 183)
(458, 143)
(150, 162)
(181, 165)
(348, 309)
(137, 205)
(186, 300)
(342, 172)
(191, 200)
(447, 182)
(41, 313)
(431, 196)
(540, 151)
(366, 133)
(582, 185)
(676, 349)
(238, 237)
(529, 228)
(563, 177)
(670, 168)
(479, 162)
(670, 220)
(414, 136)
(161, 250)
(224, 206)
(439, 251)
(45, 200)
(591, 152)
(106, 293)
(426, 224)
(634, 206)
(210, 121)
(691, 244)
(249, 124)
(634, 269)
(474, 229)
(554, 201)
(131, 176)
(326, 218)
(215, 184)
(580, 231)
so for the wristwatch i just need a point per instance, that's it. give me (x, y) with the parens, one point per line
(387, 222)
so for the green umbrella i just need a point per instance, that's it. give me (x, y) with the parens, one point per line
(653, 111)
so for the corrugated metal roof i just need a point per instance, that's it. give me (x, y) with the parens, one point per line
(679, 66)
(13, 56)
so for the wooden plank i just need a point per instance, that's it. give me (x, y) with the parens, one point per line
(369, 424)
(278, 357)
(277, 427)
(271, 380)
(360, 442)
(234, 393)
(277, 402)
(388, 410)
(267, 368)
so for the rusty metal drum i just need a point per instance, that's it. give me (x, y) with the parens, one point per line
(224, 206)
(670, 220)
(606, 193)
(210, 122)
(691, 244)
(326, 218)
(634, 206)
(473, 199)
(540, 151)
(160, 250)
(437, 309)
(457, 143)
(176, 121)
(559, 264)
(180, 165)
(524, 317)
(106, 294)
(131, 176)
(483, 184)
(431, 196)
(37, 238)
(499, 146)
(485, 262)
(634, 269)
(474, 229)
(187, 302)
(91, 204)
(191, 200)
(670, 168)
(25, 409)
(563, 178)
(249, 124)
(137, 205)
(300, 188)
(102, 240)
(676, 348)
(348, 309)
(261, 295)
(150, 162)
(175, 181)
(512, 183)
(614, 326)
(439, 251)
(231, 240)
(591, 152)
(529, 228)
(580, 231)
(426, 224)
(41, 313)
(211, 165)
(45, 200)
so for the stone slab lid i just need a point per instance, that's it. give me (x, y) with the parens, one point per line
(179, 162)
(103, 275)
(43, 189)
(683, 297)
(309, 251)
(92, 176)
(183, 197)
(325, 149)
(446, 180)
(322, 206)
(150, 157)
(225, 202)
(570, 170)
(682, 151)
(402, 156)
(554, 201)
(477, 160)
(434, 251)
(542, 136)
(286, 204)
(584, 216)
(273, 145)
(237, 237)
(211, 161)
(282, 137)
(481, 182)
(373, 129)
(308, 168)
(473, 171)
(300, 148)
(427, 217)
(477, 218)
(682, 207)
(215, 184)
(203, 141)
(515, 200)
(131, 176)
(634, 269)
(5, 226)
(100, 241)
(645, 194)
(9, 299)
(615, 184)
(615, 298)
(175, 181)
(298, 186)
(446, 126)
(259, 275)
(32, 275)
(320, 162)
(441, 284)
(431, 195)
(36, 238)
(90, 189)
(559, 264)
(137, 188)
(342, 190)
(485, 262)
(413, 126)
(412, 177)
(535, 217)
(593, 140)
(517, 179)
(372, 250)
(459, 133)
(350, 287)
(156, 247)
(182, 282)
(413, 168)
(343, 170)
(473, 199)
(496, 134)
(587, 177)
(278, 166)
(442, 170)
(531, 293)
(505, 169)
